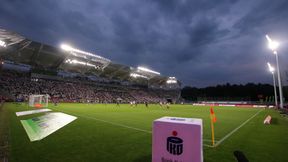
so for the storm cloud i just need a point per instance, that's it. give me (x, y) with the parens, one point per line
(199, 42)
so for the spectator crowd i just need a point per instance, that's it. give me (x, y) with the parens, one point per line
(16, 86)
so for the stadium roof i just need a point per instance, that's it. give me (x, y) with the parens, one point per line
(22, 50)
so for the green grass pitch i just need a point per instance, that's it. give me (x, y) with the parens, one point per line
(123, 134)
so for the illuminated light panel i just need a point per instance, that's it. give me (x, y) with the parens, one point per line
(80, 62)
(2, 43)
(134, 75)
(271, 68)
(147, 70)
(171, 80)
(273, 45)
(66, 47)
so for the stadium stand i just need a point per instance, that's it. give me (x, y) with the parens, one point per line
(70, 75)
(20, 86)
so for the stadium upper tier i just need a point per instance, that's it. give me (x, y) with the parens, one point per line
(19, 49)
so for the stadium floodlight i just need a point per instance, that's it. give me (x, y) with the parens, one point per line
(139, 68)
(273, 45)
(79, 62)
(271, 69)
(135, 75)
(2, 44)
(68, 48)
(171, 80)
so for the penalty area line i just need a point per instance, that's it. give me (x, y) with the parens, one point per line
(236, 129)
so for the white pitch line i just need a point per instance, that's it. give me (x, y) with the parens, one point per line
(208, 145)
(209, 140)
(122, 125)
(236, 129)
(116, 124)
(112, 123)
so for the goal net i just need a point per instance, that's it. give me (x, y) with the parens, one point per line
(38, 101)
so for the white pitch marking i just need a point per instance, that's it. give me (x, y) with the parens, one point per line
(236, 129)
(112, 123)
(121, 125)
(208, 145)
(116, 124)
(209, 140)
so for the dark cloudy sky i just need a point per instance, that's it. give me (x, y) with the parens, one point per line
(201, 42)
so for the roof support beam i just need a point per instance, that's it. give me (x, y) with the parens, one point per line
(36, 54)
(111, 75)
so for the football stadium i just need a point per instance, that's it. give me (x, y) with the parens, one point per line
(143, 81)
(106, 110)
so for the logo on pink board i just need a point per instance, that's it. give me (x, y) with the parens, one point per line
(174, 144)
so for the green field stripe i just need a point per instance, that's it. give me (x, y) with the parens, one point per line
(120, 125)
(236, 129)
(108, 122)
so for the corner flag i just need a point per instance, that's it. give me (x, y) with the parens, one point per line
(212, 114)
(213, 120)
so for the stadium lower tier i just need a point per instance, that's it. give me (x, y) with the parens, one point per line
(18, 88)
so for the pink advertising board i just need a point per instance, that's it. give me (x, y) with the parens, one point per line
(177, 140)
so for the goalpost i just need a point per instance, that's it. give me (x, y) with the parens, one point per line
(38, 101)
